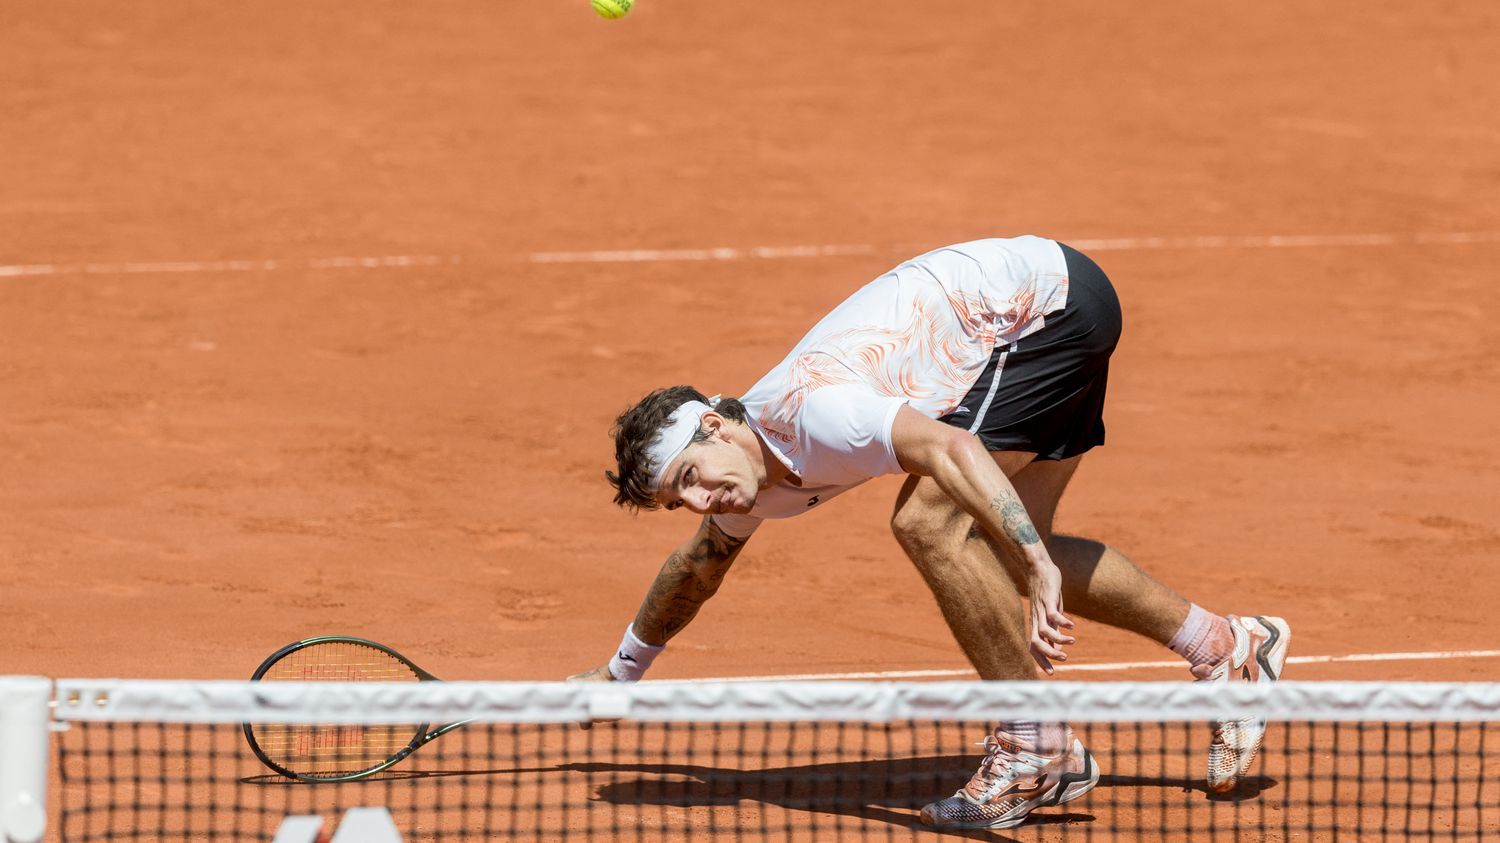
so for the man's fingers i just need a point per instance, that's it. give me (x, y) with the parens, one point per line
(1047, 623)
(1048, 649)
(1041, 660)
(1060, 622)
(1046, 629)
(1055, 637)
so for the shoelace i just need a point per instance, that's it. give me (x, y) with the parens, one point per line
(995, 751)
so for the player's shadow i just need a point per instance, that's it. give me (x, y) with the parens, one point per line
(880, 791)
(888, 791)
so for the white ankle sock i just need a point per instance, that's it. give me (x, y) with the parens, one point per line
(1042, 738)
(1204, 638)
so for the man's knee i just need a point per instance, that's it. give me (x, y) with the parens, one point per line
(925, 525)
(921, 532)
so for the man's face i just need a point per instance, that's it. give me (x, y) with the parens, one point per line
(709, 477)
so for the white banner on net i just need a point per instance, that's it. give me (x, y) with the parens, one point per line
(541, 702)
(23, 757)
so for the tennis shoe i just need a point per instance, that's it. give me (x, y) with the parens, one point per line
(1259, 655)
(1012, 781)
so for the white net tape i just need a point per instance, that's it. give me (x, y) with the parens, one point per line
(540, 702)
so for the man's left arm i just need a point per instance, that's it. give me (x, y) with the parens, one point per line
(961, 466)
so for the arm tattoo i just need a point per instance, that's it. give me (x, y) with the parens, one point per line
(690, 576)
(1017, 523)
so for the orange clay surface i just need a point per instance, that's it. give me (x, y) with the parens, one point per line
(201, 461)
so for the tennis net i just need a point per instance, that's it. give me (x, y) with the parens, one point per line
(148, 760)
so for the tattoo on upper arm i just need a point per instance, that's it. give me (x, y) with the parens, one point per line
(1017, 523)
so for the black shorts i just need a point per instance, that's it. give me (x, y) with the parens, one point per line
(1050, 396)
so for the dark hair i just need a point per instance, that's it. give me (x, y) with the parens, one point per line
(638, 427)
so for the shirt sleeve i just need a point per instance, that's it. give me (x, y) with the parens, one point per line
(736, 525)
(850, 425)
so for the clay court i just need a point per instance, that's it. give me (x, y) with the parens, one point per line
(314, 318)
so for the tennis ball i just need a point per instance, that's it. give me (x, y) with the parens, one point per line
(612, 9)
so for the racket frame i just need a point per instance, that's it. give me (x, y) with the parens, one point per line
(422, 734)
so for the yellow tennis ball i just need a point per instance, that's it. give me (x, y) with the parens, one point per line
(612, 9)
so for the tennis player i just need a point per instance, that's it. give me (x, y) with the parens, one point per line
(978, 370)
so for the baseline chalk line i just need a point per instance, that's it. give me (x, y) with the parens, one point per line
(218, 266)
(750, 253)
(715, 254)
(1110, 666)
(1111, 244)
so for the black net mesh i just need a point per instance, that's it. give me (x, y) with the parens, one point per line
(783, 781)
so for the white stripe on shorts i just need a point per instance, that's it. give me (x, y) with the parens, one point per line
(994, 385)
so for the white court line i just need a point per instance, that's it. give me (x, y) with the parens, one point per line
(716, 254)
(139, 267)
(1117, 244)
(1287, 241)
(1112, 666)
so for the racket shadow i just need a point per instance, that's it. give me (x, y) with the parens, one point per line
(1249, 787)
(275, 780)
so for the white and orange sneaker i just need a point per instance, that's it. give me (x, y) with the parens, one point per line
(1012, 781)
(1259, 654)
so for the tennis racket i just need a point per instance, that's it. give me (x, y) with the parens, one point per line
(338, 752)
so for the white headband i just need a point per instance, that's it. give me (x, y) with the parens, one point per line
(675, 436)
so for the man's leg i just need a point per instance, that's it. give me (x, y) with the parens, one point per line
(962, 566)
(977, 597)
(1099, 582)
(982, 605)
(978, 589)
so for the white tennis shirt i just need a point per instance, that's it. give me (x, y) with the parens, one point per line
(919, 335)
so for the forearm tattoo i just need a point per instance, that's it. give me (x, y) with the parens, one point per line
(1017, 523)
(689, 577)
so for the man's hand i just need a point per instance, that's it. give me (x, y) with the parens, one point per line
(1047, 619)
(598, 674)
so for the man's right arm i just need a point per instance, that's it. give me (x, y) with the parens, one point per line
(691, 575)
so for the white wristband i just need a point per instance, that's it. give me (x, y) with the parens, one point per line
(634, 656)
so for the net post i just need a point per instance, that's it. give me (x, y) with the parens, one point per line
(24, 734)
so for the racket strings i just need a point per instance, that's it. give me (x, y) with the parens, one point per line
(330, 749)
(340, 661)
